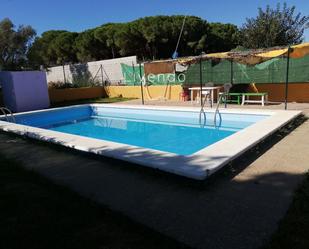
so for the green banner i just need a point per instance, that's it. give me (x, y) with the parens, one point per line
(132, 77)
(132, 74)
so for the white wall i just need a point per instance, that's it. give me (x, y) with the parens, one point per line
(112, 70)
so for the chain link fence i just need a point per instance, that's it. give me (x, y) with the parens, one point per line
(98, 73)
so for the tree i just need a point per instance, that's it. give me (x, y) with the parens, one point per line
(153, 37)
(42, 50)
(274, 27)
(161, 34)
(14, 44)
(106, 34)
(130, 40)
(63, 46)
(222, 37)
(89, 48)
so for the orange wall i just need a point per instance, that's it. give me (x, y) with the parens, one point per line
(297, 92)
(67, 94)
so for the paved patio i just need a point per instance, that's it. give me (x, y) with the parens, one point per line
(273, 105)
(238, 208)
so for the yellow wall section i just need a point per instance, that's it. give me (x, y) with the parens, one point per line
(154, 92)
(170, 92)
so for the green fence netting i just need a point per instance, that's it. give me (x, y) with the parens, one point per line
(132, 74)
(272, 71)
(132, 77)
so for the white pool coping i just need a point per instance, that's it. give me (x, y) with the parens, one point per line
(197, 166)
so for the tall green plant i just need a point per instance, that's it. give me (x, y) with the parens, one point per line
(274, 27)
(14, 45)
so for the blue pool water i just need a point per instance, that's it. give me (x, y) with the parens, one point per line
(183, 140)
(177, 132)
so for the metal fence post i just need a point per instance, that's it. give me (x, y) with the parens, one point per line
(232, 82)
(287, 79)
(201, 81)
(133, 73)
(64, 77)
(232, 72)
(140, 73)
(101, 69)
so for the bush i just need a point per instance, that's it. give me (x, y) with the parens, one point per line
(76, 84)
(60, 85)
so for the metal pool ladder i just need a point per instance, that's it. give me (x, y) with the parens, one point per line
(227, 87)
(216, 113)
(7, 111)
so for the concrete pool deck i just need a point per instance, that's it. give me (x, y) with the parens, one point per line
(304, 107)
(237, 209)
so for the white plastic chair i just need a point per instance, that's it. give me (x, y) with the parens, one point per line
(206, 96)
(206, 93)
(224, 95)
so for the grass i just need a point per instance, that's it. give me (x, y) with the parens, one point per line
(87, 101)
(293, 230)
(35, 213)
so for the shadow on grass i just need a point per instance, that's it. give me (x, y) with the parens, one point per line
(293, 229)
(35, 213)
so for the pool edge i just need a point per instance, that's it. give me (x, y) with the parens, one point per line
(198, 166)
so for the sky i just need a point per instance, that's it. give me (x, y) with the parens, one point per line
(77, 15)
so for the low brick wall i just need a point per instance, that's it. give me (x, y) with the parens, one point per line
(298, 92)
(69, 94)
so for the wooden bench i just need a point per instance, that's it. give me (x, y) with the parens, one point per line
(246, 98)
(237, 99)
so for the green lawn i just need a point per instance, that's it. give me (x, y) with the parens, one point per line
(37, 214)
(87, 101)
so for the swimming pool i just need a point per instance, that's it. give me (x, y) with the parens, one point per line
(170, 139)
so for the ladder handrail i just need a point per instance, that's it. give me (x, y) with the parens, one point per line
(215, 113)
(202, 110)
(200, 118)
(3, 110)
(217, 110)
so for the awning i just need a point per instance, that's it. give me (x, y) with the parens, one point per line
(251, 57)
